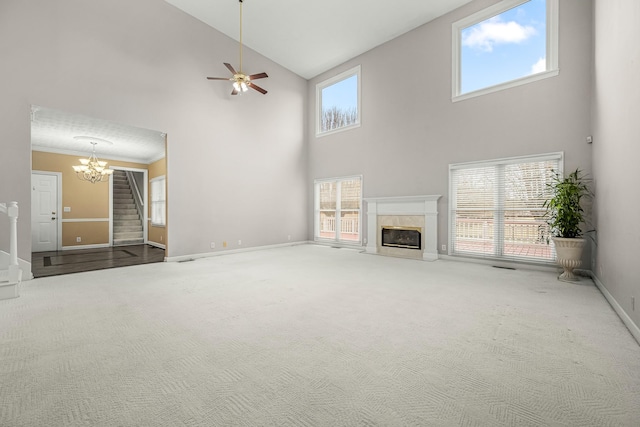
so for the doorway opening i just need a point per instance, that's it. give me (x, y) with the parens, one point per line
(79, 225)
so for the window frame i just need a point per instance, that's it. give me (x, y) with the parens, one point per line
(355, 71)
(552, 11)
(316, 211)
(554, 156)
(153, 202)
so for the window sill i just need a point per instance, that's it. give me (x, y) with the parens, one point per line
(513, 83)
(334, 131)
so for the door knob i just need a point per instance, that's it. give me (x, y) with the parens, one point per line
(52, 219)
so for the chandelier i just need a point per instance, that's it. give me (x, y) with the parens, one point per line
(92, 169)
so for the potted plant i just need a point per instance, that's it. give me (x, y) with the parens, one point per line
(565, 215)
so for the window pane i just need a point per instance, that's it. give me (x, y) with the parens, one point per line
(497, 210)
(504, 47)
(339, 219)
(350, 194)
(338, 102)
(525, 229)
(350, 225)
(158, 201)
(327, 224)
(328, 195)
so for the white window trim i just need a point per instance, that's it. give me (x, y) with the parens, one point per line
(559, 156)
(316, 210)
(164, 200)
(552, 48)
(326, 83)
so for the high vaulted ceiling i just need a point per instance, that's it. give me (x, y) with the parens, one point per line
(309, 37)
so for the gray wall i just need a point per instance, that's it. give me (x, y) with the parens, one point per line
(616, 125)
(236, 165)
(411, 131)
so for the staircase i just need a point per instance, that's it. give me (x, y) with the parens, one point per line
(127, 225)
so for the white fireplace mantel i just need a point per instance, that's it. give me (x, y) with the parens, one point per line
(426, 206)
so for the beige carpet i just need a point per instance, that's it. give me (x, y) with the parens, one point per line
(314, 336)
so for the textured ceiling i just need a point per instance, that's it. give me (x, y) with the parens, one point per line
(312, 36)
(66, 133)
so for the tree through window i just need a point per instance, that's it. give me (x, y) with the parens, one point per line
(338, 102)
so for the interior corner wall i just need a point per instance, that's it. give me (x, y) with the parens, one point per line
(237, 163)
(616, 126)
(411, 130)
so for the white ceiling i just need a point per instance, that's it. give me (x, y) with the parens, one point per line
(58, 131)
(310, 37)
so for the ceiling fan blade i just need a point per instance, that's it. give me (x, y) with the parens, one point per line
(233, 71)
(256, 87)
(258, 76)
(218, 78)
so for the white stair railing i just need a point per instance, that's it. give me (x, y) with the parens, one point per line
(13, 272)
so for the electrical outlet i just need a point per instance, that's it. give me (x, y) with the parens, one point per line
(224, 244)
(161, 238)
(289, 237)
(213, 245)
(239, 242)
(364, 241)
(444, 247)
(78, 239)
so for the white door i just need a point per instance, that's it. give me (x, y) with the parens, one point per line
(44, 214)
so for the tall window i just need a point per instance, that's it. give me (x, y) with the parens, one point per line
(338, 102)
(338, 210)
(510, 43)
(496, 207)
(158, 201)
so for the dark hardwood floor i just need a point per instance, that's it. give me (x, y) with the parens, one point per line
(54, 263)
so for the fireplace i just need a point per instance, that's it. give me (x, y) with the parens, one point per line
(417, 219)
(402, 237)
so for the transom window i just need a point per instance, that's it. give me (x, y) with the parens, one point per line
(496, 208)
(338, 102)
(508, 44)
(338, 209)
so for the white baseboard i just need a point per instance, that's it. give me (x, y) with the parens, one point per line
(231, 251)
(98, 246)
(628, 322)
(501, 263)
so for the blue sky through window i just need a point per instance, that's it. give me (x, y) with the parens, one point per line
(343, 94)
(505, 47)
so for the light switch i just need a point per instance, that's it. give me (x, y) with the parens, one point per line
(67, 208)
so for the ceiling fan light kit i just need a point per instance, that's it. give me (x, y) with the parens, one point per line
(242, 82)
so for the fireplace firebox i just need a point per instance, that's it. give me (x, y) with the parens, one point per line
(402, 237)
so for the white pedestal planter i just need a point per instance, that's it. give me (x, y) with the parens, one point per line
(569, 253)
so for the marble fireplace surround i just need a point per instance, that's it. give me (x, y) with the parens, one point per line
(417, 211)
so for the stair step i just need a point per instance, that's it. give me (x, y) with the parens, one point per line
(128, 217)
(127, 228)
(127, 235)
(124, 211)
(126, 222)
(122, 242)
(124, 205)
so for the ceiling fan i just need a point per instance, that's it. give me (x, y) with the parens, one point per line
(242, 82)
